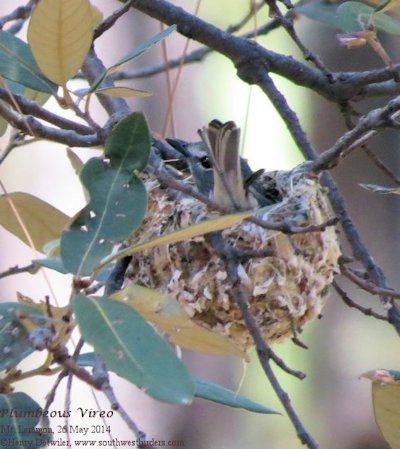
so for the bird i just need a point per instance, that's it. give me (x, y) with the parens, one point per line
(286, 288)
(220, 173)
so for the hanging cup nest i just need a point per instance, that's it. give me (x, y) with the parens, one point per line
(285, 290)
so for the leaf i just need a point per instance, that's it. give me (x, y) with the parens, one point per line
(388, 5)
(18, 64)
(118, 198)
(321, 11)
(36, 96)
(88, 359)
(221, 395)
(170, 317)
(97, 16)
(19, 416)
(143, 47)
(60, 34)
(186, 233)
(52, 263)
(77, 164)
(38, 317)
(42, 221)
(14, 338)
(386, 403)
(381, 189)
(75, 161)
(123, 92)
(3, 125)
(129, 143)
(131, 348)
(351, 16)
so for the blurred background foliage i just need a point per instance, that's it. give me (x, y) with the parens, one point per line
(334, 403)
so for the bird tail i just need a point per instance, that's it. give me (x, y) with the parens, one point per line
(224, 139)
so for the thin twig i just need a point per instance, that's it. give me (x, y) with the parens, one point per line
(110, 21)
(156, 168)
(31, 269)
(367, 285)
(28, 124)
(117, 276)
(264, 354)
(349, 302)
(115, 405)
(287, 23)
(21, 14)
(380, 164)
(367, 127)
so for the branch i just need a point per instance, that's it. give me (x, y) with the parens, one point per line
(21, 13)
(200, 53)
(367, 285)
(156, 168)
(247, 55)
(109, 21)
(31, 269)
(367, 127)
(30, 125)
(381, 165)
(264, 351)
(349, 302)
(27, 106)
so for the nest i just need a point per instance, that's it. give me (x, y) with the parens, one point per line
(285, 290)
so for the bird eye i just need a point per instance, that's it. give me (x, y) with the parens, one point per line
(205, 162)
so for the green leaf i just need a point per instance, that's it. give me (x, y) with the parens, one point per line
(143, 47)
(118, 198)
(146, 45)
(320, 11)
(53, 263)
(14, 338)
(131, 348)
(129, 143)
(19, 416)
(18, 64)
(41, 221)
(217, 393)
(351, 16)
(88, 359)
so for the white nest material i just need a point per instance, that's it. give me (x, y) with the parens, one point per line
(284, 291)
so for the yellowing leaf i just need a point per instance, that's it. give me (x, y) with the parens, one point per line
(42, 221)
(59, 317)
(124, 92)
(97, 16)
(168, 315)
(386, 401)
(189, 232)
(35, 95)
(60, 35)
(391, 5)
(3, 125)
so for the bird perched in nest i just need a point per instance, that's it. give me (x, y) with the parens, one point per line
(286, 287)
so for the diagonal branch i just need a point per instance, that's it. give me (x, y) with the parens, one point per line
(246, 55)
